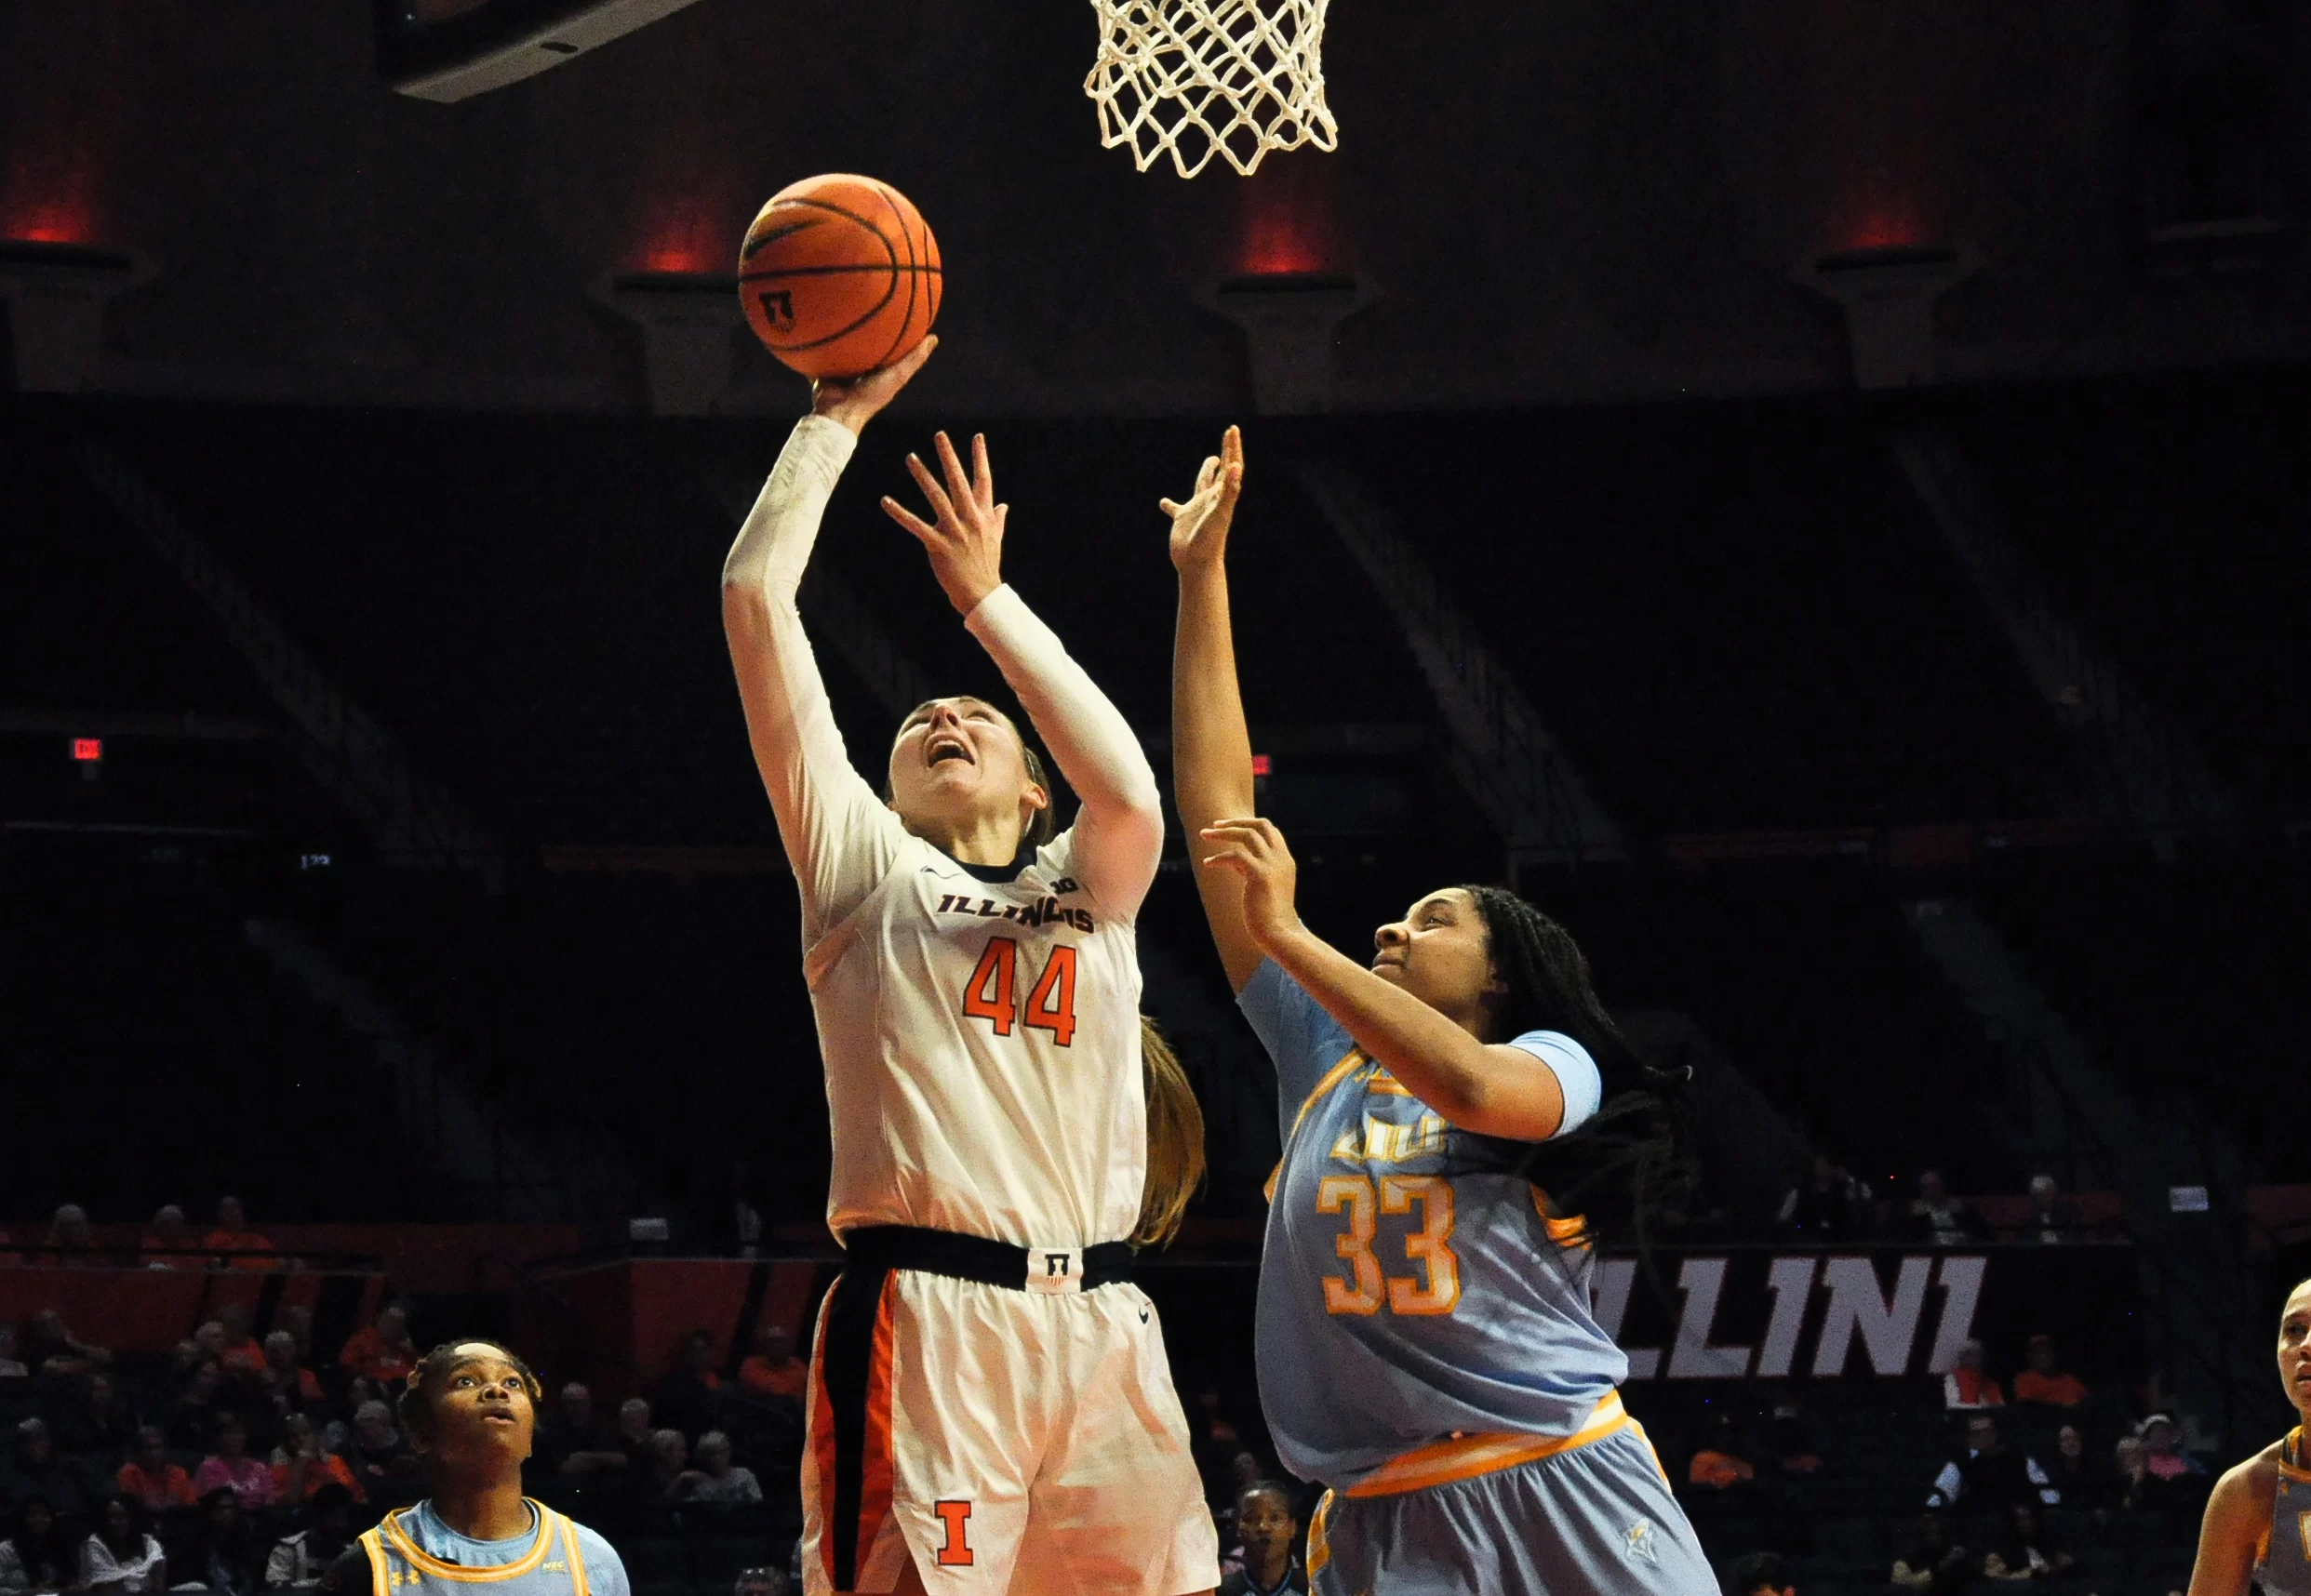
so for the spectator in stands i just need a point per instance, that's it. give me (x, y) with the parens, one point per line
(1760, 1573)
(36, 1470)
(634, 1430)
(122, 1555)
(210, 1336)
(54, 1350)
(1933, 1563)
(772, 1370)
(2074, 1471)
(224, 1558)
(2044, 1382)
(1832, 1206)
(1939, 1219)
(381, 1462)
(171, 1242)
(716, 1478)
(2051, 1219)
(1966, 1385)
(2136, 1489)
(242, 1354)
(97, 1419)
(37, 1556)
(151, 1478)
(286, 1383)
(297, 1319)
(70, 1239)
(191, 1420)
(764, 1581)
(301, 1465)
(1988, 1476)
(230, 1467)
(239, 1247)
(1717, 1463)
(570, 1444)
(2022, 1552)
(2162, 1450)
(11, 1366)
(299, 1561)
(382, 1353)
(663, 1467)
(1269, 1533)
(1795, 1448)
(689, 1399)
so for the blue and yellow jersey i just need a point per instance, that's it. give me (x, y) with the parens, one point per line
(1413, 1288)
(415, 1551)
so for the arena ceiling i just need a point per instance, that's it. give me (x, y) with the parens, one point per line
(1544, 200)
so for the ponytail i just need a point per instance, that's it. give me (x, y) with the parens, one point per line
(1175, 1140)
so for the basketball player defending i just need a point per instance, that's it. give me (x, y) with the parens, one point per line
(1424, 1339)
(469, 1409)
(990, 1408)
(2258, 1523)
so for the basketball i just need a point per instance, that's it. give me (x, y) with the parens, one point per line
(839, 276)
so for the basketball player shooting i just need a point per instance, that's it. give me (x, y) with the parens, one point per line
(2257, 1531)
(990, 1406)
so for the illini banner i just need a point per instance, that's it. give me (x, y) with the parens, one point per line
(1863, 1312)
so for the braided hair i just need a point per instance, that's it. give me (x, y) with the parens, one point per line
(1630, 1158)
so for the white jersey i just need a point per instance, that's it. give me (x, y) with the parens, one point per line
(979, 1027)
(981, 1040)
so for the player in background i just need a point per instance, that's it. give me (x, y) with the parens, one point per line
(470, 1409)
(1423, 1338)
(2258, 1523)
(990, 1406)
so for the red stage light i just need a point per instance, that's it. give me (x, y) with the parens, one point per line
(1259, 764)
(87, 750)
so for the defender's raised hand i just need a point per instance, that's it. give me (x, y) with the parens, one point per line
(1199, 528)
(1253, 850)
(964, 537)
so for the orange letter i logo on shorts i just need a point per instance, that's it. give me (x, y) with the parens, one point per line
(957, 1553)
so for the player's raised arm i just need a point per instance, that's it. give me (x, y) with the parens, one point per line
(836, 832)
(1212, 761)
(1119, 835)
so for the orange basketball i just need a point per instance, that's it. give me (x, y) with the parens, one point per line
(839, 276)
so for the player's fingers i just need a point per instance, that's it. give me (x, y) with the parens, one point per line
(941, 506)
(922, 531)
(1232, 446)
(958, 484)
(1207, 473)
(982, 473)
(1169, 509)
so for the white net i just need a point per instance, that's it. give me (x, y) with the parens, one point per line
(1196, 78)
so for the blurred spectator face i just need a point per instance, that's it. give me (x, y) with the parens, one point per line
(2131, 1463)
(1969, 1357)
(1262, 1519)
(49, 1326)
(100, 1393)
(182, 1356)
(2069, 1443)
(205, 1375)
(280, 1351)
(634, 1418)
(297, 1319)
(698, 1352)
(211, 1337)
(1243, 1468)
(713, 1453)
(773, 1342)
(393, 1326)
(224, 1510)
(232, 1440)
(577, 1406)
(230, 1215)
(2160, 1437)
(1930, 1186)
(169, 1229)
(234, 1319)
(70, 1227)
(373, 1426)
(760, 1582)
(2042, 1189)
(1982, 1435)
(297, 1435)
(32, 1443)
(2043, 1354)
(673, 1451)
(116, 1521)
(151, 1453)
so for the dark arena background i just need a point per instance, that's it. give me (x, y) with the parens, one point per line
(1811, 492)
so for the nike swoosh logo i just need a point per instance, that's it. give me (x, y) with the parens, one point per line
(1142, 1315)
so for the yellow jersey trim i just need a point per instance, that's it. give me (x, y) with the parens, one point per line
(433, 1567)
(1466, 1457)
(1332, 1078)
(570, 1550)
(376, 1561)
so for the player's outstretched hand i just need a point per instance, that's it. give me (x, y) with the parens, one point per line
(1199, 528)
(1253, 850)
(854, 401)
(964, 537)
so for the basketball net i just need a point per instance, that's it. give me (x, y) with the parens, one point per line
(1196, 78)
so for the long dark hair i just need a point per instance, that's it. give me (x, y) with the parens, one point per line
(1630, 1158)
(132, 1537)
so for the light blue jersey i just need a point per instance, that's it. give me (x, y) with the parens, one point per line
(414, 1551)
(1412, 1289)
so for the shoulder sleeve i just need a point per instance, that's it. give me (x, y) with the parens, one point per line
(606, 1575)
(1303, 1041)
(1577, 1074)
